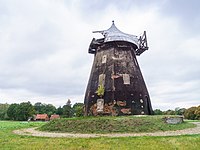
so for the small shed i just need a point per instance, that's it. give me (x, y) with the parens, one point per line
(54, 116)
(42, 117)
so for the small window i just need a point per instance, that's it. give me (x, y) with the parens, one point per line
(126, 78)
(100, 104)
(104, 58)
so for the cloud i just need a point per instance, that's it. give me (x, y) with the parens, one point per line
(44, 45)
(187, 13)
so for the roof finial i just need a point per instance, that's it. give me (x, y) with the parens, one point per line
(113, 21)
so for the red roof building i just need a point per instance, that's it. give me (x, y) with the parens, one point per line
(54, 116)
(42, 117)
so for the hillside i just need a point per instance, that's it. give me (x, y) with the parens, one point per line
(125, 124)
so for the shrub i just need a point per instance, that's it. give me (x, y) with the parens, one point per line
(190, 113)
(197, 113)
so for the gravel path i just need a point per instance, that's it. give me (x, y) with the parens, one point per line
(33, 132)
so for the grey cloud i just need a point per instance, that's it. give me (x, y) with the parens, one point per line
(187, 12)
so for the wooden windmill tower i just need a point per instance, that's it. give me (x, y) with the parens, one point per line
(116, 85)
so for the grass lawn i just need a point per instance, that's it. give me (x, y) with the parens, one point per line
(8, 140)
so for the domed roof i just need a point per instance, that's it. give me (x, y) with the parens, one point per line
(114, 34)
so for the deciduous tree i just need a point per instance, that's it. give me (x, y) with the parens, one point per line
(78, 109)
(3, 111)
(13, 111)
(158, 112)
(197, 113)
(190, 113)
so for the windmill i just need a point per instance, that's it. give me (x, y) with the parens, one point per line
(116, 85)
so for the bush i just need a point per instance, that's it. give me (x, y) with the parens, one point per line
(158, 112)
(190, 113)
(197, 113)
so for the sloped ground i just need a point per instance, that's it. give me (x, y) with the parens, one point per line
(105, 125)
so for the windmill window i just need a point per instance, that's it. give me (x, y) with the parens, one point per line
(126, 78)
(104, 58)
(100, 104)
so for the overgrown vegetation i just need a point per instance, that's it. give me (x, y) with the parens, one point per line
(193, 113)
(100, 91)
(112, 125)
(9, 140)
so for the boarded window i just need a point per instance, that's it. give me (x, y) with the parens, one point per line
(100, 104)
(102, 79)
(104, 59)
(126, 78)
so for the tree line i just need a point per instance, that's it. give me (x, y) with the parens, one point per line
(25, 110)
(192, 113)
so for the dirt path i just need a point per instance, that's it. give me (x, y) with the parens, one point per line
(33, 132)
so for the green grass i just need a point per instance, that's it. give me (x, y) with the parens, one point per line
(124, 124)
(192, 120)
(10, 141)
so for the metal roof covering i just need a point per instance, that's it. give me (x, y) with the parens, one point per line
(114, 34)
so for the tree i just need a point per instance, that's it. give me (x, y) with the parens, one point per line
(59, 111)
(39, 108)
(197, 113)
(3, 111)
(44, 108)
(158, 112)
(67, 110)
(169, 112)
(179, 111)
(190, 113)
(69, 102)
(20, 111)
(50, 109)
(78, 109)
(25, 110)
(12, 111)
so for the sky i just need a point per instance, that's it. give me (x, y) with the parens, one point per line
(44, 48)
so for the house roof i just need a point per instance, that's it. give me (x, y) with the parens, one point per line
(41, 116)
(54, 116)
